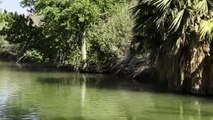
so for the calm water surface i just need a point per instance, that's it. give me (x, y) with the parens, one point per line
(27, 94)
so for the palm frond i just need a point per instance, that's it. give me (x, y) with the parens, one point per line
(181, 20)
(144, 16)
(161, 4)
(206, 29)
(204, 6)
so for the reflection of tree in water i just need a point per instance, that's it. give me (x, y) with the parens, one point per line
(181, 108)
(92, 81)
(83, 90)
(78, 80)
(17, 112)
(193, 110)
(58, 81)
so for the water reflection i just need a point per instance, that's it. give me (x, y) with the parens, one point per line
(69, 96)
(83, 90)
(16, 112)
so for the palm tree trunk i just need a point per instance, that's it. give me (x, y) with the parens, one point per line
(190, 70)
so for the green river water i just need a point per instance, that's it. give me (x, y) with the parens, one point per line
(39, 94)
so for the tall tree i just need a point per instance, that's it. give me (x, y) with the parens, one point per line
(70, 20)
(177, 35)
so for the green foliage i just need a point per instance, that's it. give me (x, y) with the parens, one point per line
(206, 29)
(6, 48)
(33, 56)
(69, 20)
(55, 30)
(20, 30)
(109, 39)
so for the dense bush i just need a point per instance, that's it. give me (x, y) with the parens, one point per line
(109, 40)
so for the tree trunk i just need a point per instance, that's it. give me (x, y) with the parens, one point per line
(84, 52)
(188, 70)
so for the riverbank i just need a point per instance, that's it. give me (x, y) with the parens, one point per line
(142, 73)
(29, 63)
(144, 76)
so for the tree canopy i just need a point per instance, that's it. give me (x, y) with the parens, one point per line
(59, 29)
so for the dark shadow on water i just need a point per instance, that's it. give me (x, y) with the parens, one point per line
(99, 82)
(112, 83)
(77, 81)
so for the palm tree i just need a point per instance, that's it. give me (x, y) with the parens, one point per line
(177, 36)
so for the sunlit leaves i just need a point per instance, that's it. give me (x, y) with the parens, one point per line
(204, 6)
(206, 29)
(162, 4)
